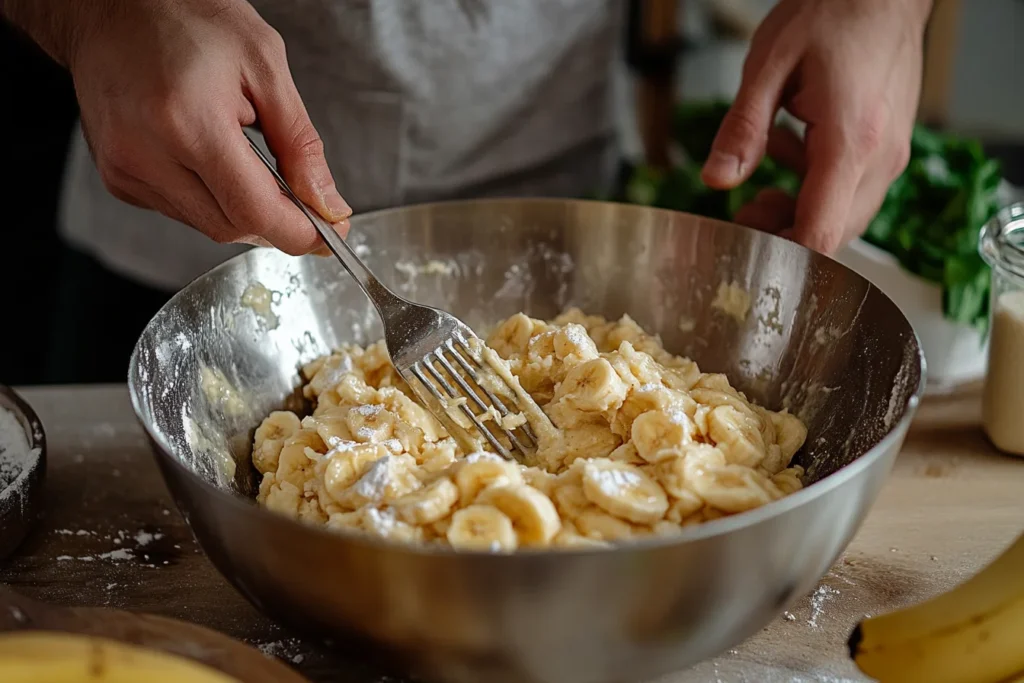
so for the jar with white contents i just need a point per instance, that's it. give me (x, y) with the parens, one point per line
(1002, 246)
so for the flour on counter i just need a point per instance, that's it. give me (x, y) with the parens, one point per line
(818, 600)
(283, 649)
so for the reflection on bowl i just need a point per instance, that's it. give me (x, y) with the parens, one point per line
(817, 338)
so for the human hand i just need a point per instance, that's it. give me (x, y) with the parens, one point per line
(164, 90)
(851, 71)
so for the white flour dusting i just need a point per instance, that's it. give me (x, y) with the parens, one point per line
(283, 649)
(144, 538)
(818, 601)
(374, 483)
(141, 538)
(15, 453)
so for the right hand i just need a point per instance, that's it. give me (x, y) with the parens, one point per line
(164, 90)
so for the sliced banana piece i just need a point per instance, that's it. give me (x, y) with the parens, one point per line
(737, 435)
(429, 504)
(481, 527)
(570, 538)
(476, 474)
(532, 513)
(624, 490)
(346, 466)
(592, 387)
(656, 432)
(598, 525)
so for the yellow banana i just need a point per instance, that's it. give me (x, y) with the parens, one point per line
(972, 634)
(48, 657)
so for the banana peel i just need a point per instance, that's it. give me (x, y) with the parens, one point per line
(53, 657)
(971, 634)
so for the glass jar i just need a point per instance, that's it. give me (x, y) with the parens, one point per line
(1002, 247)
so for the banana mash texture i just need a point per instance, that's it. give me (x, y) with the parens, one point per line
(644, 444)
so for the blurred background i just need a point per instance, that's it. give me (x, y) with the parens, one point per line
(973, 86)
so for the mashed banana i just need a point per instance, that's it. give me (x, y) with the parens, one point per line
(646, 444)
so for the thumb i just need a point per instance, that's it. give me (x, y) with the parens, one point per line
(297, 147)
(740, 143)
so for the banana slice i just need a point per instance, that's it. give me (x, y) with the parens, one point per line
(570, 538)
(790, 434)
(429, 504)
(592, 387)
(598, 525)
(270, 438)
(730, 488)
(346, 466)
(481, 527)
(532, 513)
(370, 423)
(572, 341)
(642, 399)
(385, 480)
(44, 657)
(627, 453)
(670, 472)
(737, 435)
(542, 480)
(655, 433)
(475, 475)
(570, 500)
(513, 335)
(624, 490)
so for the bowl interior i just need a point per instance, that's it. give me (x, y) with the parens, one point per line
(817, 339)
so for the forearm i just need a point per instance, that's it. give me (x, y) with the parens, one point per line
(56, 25)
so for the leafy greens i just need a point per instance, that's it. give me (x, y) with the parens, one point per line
(929, 220)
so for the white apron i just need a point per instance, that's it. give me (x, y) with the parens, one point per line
(415, 101)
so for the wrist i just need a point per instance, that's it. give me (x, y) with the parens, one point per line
(57, 26)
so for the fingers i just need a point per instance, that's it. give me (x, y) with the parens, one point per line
(771, 211)
(248, 194)
(827, 195)
(787, 148)
(290, 134)
(740, 143)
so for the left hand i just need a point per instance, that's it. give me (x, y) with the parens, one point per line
(851, 71)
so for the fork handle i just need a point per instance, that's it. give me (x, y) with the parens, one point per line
(371, 286)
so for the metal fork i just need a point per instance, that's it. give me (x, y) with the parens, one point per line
(437, 354)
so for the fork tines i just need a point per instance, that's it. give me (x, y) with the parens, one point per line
(453, 371)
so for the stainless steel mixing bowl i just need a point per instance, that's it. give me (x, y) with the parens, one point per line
(818, 338)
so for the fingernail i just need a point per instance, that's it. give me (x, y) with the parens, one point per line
(336, 205)
(723, 167)
(342, 227)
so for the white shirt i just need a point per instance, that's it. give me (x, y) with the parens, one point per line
(415, 101)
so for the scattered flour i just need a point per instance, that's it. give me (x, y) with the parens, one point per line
(283, 649)
(818, 600)
(142, 538)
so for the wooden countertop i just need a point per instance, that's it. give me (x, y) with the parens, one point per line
(110, 536)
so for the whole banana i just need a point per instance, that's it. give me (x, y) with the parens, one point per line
(971, 634)
(40, 656)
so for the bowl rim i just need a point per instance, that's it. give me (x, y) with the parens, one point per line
(698, 532)
(18, 521)
(13, 402)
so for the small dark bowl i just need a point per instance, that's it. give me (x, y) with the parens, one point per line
(21, 497)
